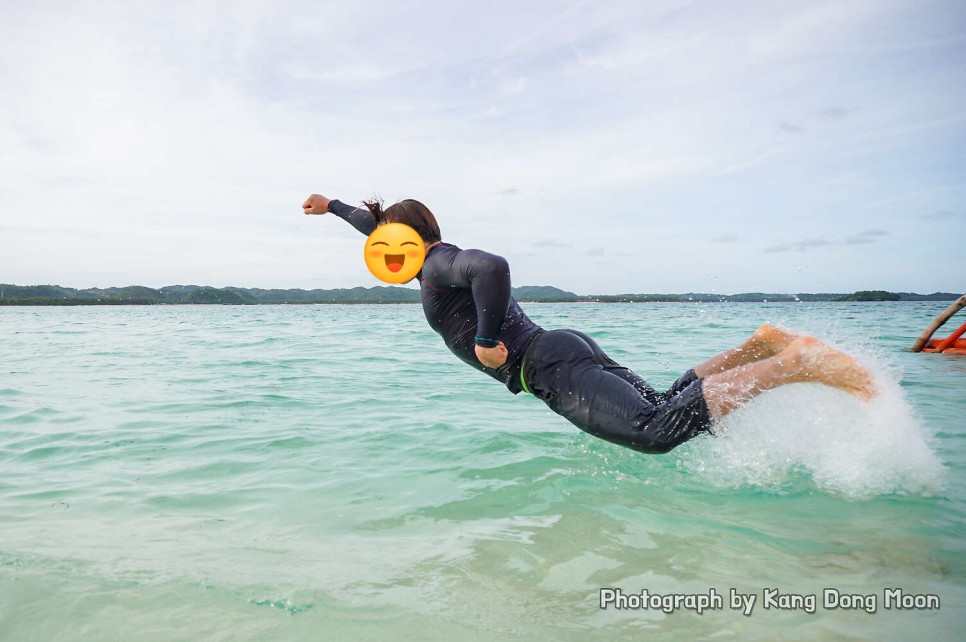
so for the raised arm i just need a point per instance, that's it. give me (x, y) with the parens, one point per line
(357, 217)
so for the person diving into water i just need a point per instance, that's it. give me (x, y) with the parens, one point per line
(466, 298)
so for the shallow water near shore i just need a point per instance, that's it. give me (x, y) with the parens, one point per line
(296, 472)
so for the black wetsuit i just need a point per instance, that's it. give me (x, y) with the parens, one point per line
(466, 299)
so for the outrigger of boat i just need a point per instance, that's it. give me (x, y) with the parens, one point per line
(954, 343)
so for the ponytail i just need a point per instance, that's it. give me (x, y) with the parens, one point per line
(375, 206)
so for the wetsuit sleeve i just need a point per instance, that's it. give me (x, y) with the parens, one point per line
(488, 276)
(357, 217)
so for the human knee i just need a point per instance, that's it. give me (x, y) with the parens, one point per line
(803, 345)
(766, 328)
(771, 339)
(766, 333)
(798, 354)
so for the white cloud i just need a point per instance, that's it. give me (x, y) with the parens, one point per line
(945, 215)
(176, 142)
(799, 246)
(866, 236)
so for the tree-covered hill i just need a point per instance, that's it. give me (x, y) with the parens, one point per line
(196, 294)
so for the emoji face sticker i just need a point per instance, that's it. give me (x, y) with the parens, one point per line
(394, 253)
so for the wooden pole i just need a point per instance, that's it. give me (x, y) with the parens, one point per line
(938, 322)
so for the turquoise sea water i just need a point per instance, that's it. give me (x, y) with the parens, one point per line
(332, 472)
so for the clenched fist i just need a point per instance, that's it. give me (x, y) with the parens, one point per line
(492, 357)
(316, 204)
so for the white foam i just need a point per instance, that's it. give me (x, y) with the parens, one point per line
(844, 445)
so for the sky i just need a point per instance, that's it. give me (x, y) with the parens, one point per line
(600, 147)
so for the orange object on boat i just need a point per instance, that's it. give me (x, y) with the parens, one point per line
(952, 344)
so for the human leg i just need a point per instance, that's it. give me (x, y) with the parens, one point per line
(642, 386)
(628, 375)
(767, 341)
(565, 372)
(805, 359)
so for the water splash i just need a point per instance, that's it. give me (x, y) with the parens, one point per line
(283, 605)
(844, 446)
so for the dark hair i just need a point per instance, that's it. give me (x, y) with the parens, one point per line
(411, 213)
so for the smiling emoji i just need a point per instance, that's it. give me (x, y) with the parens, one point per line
(394, 253)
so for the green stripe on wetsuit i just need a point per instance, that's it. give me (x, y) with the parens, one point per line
(523, 382)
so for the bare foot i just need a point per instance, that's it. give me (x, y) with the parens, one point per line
(832, 367)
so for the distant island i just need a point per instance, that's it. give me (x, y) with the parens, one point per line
(197, 294)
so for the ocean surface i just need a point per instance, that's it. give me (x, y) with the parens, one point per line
(333, 472)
